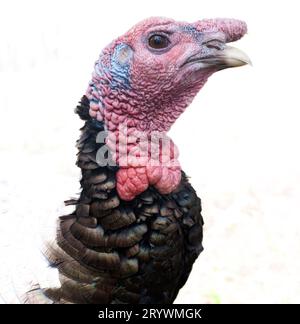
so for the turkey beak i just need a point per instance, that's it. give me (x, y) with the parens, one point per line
(230, 57)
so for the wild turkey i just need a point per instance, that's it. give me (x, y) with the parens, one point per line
(137, 226)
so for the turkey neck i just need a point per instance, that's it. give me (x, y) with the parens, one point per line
(135, 131)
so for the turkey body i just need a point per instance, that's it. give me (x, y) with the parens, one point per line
(114, 251)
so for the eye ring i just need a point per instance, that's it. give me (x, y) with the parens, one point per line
(158, 41)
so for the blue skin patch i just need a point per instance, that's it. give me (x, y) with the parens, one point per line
(192, 31)
(118, 69)
(199, 37)
(120, 66)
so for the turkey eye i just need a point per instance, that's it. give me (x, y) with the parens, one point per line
(158, 41)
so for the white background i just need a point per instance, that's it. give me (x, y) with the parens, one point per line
(239, 140)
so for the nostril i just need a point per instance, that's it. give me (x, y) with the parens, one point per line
(213, 46)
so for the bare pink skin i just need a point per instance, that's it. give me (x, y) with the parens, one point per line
(151, 93)
(144, 163)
